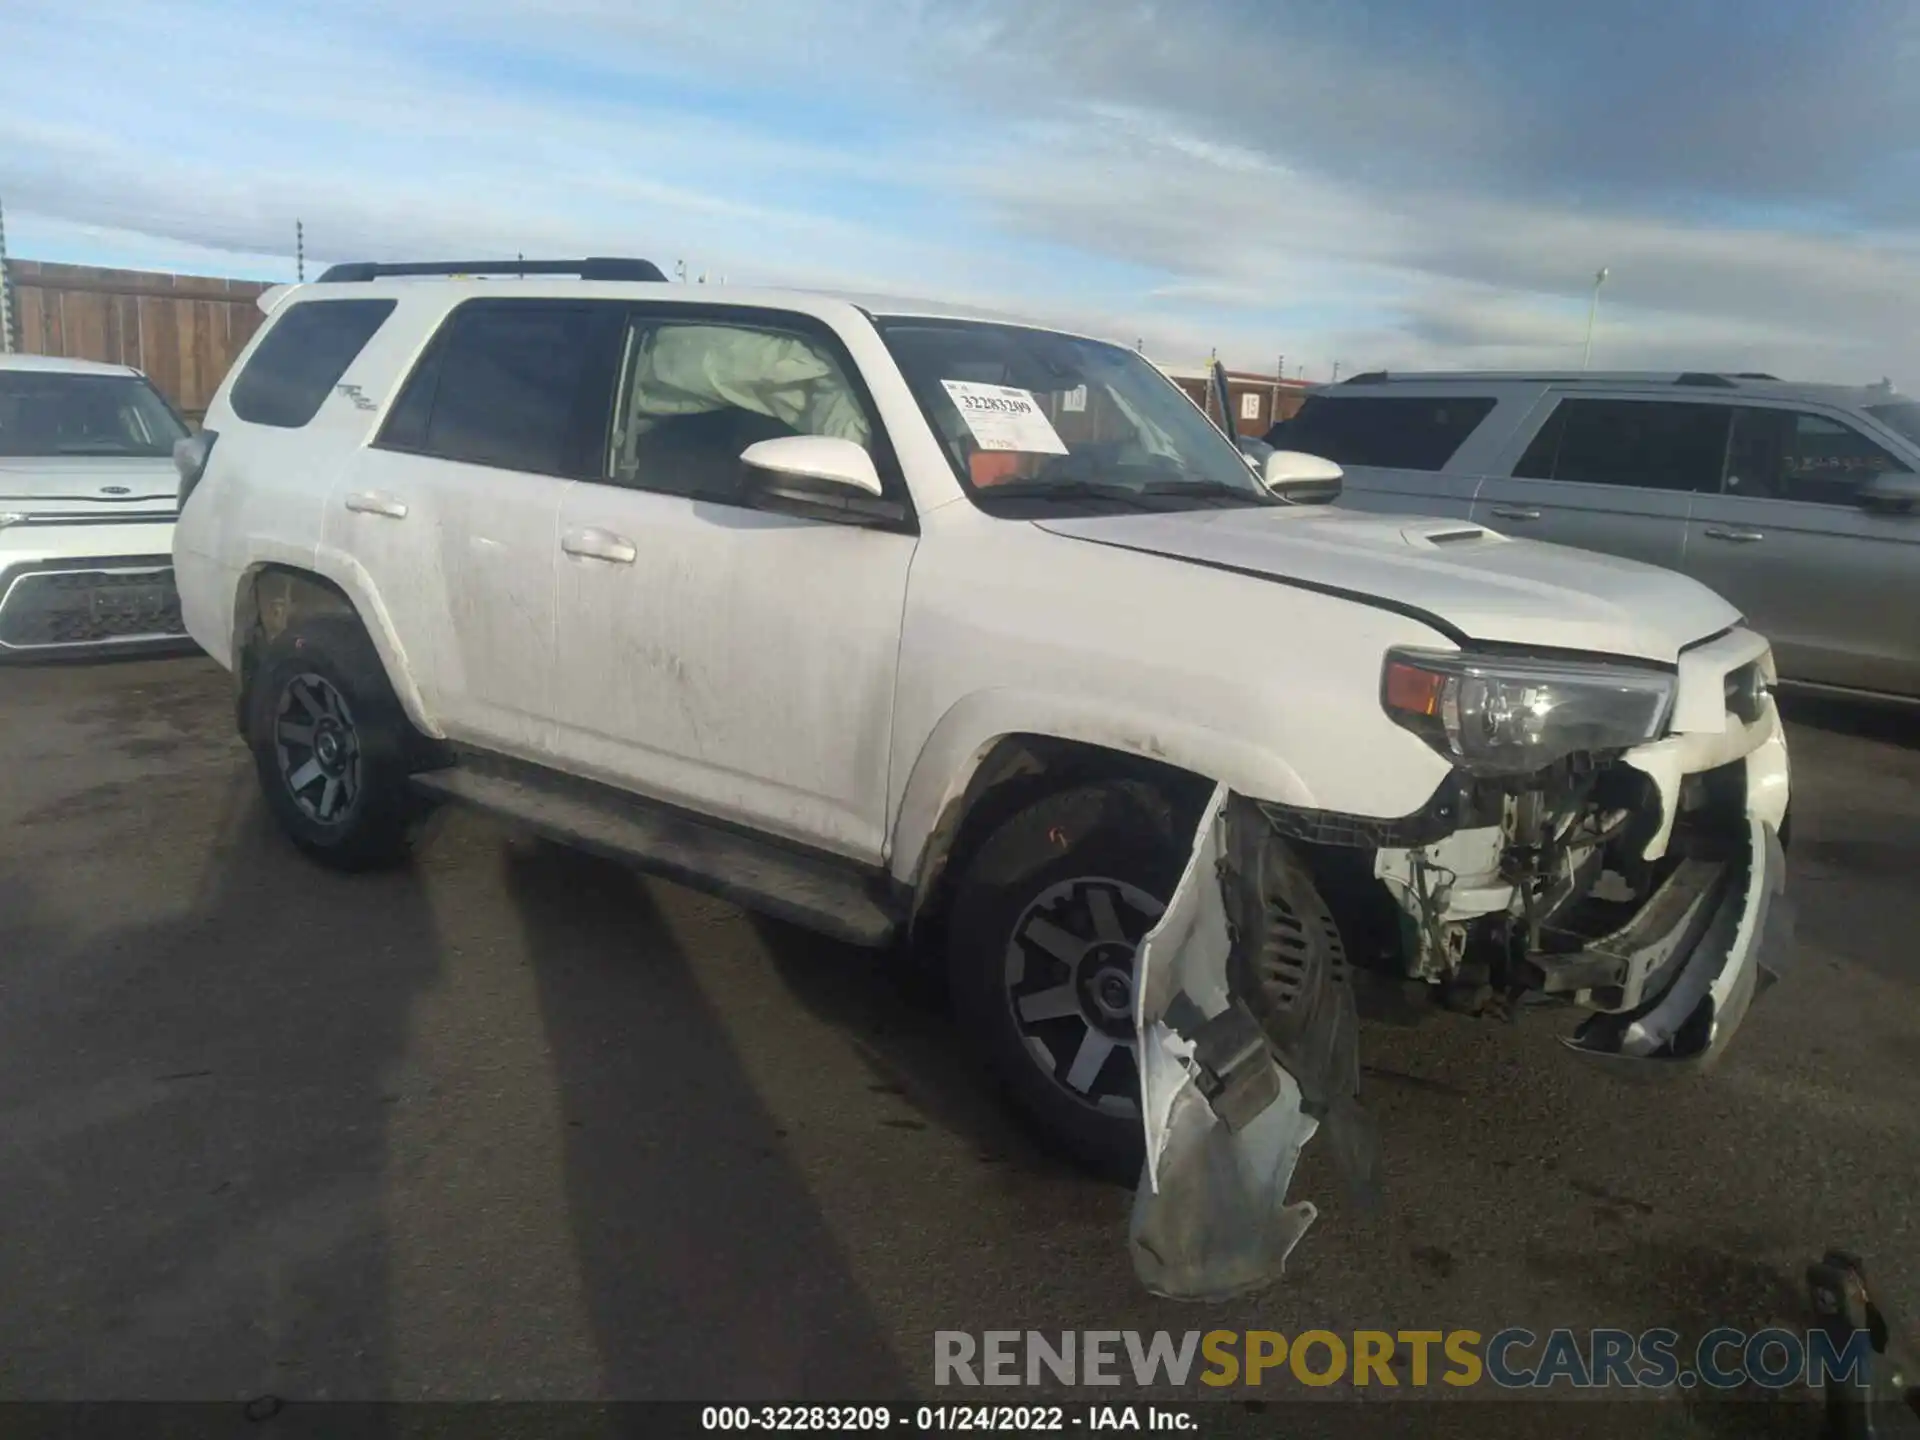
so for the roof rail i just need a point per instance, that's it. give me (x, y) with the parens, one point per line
(1364, 376)
(1697, 377)
(1753, 375)
(592, 268)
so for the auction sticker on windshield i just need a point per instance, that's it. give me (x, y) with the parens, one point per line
(1003, 418)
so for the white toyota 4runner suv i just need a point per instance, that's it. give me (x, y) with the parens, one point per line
(910, 625)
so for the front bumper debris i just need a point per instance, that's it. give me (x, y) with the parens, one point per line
(1232, 1093)
(1700, 957)
(1225, 1121)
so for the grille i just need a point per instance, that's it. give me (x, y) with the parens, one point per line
(89, 607)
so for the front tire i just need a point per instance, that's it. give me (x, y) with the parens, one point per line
(331, 745)
(1046, 921)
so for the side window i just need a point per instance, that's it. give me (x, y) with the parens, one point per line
(1797, 455)
(517, 384)
(693, 395)
(1648, 444)
(302, 358)
(406, 423)
(1399, 433)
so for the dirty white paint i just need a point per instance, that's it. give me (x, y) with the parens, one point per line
(1272, 690)
(465, 578)
(742, 665)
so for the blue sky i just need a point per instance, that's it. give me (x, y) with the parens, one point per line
(1380, 184)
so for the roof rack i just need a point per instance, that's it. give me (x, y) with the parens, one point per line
(592, 268)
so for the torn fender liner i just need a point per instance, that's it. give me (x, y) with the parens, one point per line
(1686, 1027)
(1225, 1120)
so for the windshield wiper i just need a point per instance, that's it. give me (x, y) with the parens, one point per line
(1211, 490)
(1062, 490)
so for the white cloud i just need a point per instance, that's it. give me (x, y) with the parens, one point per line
(1257, 178)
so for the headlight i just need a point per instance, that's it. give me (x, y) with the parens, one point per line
(1501, 716)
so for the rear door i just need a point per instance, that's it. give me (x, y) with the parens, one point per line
(453, 510)
(1613, 473)
(1394, 449)
(1834, 585)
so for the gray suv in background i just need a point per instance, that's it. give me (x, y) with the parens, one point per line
(1798, 503)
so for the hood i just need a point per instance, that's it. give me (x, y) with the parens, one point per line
(1461, 577)
(88, 487)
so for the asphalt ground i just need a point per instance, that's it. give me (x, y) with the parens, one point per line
(517, 1123)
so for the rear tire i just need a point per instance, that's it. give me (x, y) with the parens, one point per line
(1040, 952)
(332, 745)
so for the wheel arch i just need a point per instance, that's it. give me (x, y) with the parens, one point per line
(272, 595)
(966, 784)
(978, 743)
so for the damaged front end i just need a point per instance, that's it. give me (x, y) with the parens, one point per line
(1642, 884)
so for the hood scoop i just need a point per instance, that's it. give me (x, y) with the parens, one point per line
(1433, 536)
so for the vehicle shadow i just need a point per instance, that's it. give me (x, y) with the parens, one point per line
(708, 1270)
(195, 1040)
(894, 1008)
(467, 1130)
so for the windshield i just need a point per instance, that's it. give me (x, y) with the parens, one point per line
(1034, 417)
(1903, 417)
(45, 412)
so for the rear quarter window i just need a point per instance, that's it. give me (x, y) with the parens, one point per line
(302, 357)
(1397, 432)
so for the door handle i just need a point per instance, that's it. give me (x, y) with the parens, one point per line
(596, 544)
(1738, 537)
(1515, 512)
(369, 502)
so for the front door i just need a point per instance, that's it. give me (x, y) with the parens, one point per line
(710, 654)
(1616, 475)
(1834, 585)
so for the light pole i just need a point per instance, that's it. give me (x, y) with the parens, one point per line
(1593, 308)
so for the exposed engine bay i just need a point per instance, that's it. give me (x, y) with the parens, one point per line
(1549, 887)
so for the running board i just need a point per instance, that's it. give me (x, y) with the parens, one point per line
(815, 891)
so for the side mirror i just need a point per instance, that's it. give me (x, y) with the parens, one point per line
(1891, 490)
(818, 476)
(1301, 478)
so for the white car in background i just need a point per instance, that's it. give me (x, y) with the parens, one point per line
(88, 495)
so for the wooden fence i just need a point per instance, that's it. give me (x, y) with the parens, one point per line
(181, 330)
